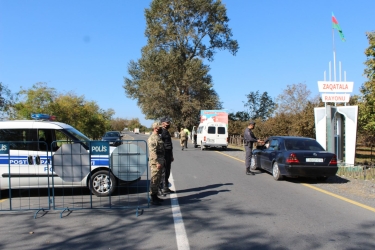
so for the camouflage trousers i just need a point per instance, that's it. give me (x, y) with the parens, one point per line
(155, 179)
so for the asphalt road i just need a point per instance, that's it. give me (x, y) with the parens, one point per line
(218, 207)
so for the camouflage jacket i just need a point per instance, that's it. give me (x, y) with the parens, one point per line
(155, 149)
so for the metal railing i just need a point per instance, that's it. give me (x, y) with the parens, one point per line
(74, 176)
(363, 172)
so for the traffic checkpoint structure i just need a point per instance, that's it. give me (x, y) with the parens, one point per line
(336, 126)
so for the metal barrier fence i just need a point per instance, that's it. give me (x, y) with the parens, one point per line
(21, 186)
(71, 176)
(362, 172)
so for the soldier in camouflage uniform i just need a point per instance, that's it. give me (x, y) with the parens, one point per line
(156, 161)
(182, 138)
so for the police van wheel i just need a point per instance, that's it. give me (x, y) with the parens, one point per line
(102, 183)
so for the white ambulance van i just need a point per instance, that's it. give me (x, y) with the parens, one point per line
(212, 134)
(26, 163)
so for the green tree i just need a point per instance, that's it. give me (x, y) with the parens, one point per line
(239, 116)
(69, 108)
(134, 123)
(170, 77)
(37, 99)
(303, 123)
(259, 106)
(87, 116)
(293, 99)
(366, 116)
(7, 101)
(118, 124)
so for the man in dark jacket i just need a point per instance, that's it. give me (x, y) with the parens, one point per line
(249, 139)
(168, 156)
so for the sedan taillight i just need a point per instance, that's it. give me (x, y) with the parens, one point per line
(333, 160)
(292, 158)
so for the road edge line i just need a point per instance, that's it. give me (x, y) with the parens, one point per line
(322, 190)
(340, 197)
(179, 227)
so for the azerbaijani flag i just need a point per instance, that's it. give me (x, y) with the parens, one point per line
(335, 25)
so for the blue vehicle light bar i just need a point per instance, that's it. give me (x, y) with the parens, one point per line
(43, 117)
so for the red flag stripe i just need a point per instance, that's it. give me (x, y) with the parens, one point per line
(334, 20)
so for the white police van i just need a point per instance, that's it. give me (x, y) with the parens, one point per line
(212, 134)
(33, 144)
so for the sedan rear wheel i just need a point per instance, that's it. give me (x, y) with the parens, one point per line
(276, 172)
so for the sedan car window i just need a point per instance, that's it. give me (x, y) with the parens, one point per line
(274, 145)
(303, 144)
(112, 134)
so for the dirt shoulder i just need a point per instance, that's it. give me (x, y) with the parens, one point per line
(358, 190)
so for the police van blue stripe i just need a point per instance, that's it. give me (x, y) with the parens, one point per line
(22, 160)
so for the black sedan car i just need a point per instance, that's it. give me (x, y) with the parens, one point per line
(293, 157)
(113, 137)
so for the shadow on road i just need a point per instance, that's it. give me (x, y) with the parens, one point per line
(140, 186)
(197, 189)
(310, 180)
(200, 193)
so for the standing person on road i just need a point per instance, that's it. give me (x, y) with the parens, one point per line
(249, 139)
(156, 161)
(182, 138)
(187, 135)
(194, 135)
(168, 147)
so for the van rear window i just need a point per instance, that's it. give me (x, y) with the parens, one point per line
(211, 130)
(221, 130)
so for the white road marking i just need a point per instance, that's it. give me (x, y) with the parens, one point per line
(179, 227)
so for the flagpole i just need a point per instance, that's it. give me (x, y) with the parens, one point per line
(334, 57)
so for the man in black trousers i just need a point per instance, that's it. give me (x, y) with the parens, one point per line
(168, 156)
(249, 139)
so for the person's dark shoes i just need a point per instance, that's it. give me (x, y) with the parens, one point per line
(158, 199)
(182, 148)
(248, 172)
(154, 200)
(167, 191)
(161, 193)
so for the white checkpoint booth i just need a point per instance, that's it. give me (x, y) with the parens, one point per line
(336, 130)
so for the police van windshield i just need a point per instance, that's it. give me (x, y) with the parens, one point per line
(78, 135)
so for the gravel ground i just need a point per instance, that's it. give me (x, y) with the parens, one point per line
(357, 190)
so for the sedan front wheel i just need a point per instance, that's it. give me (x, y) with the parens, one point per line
(253, 163)
(276, 172)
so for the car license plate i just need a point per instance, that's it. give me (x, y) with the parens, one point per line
(314, 159)
(111, 143)
(210, 140)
